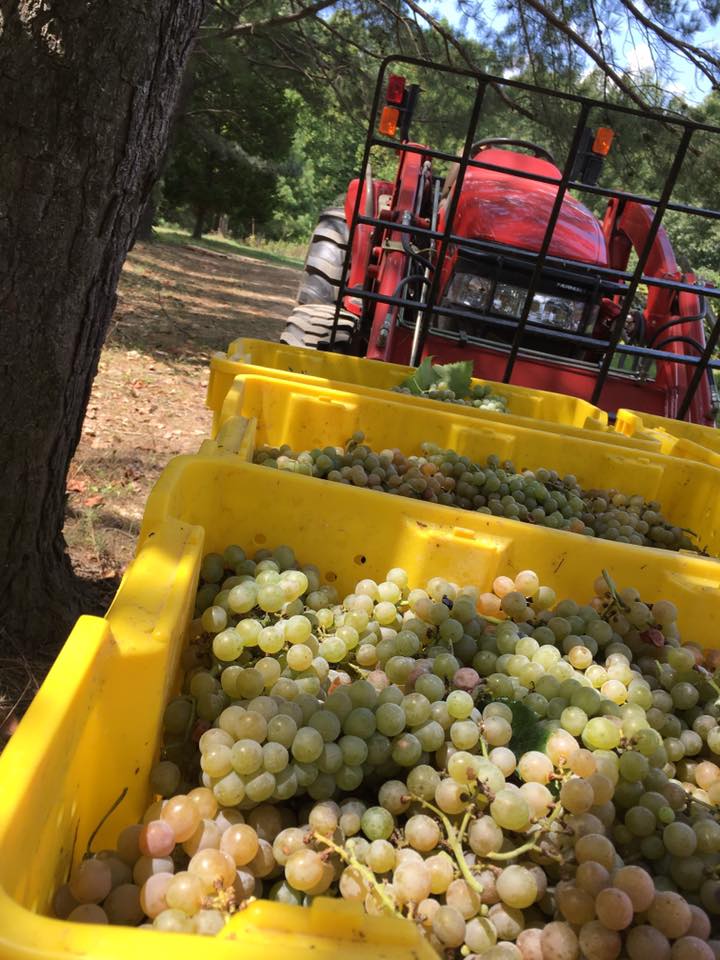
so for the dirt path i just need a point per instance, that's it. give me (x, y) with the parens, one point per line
(177, 304)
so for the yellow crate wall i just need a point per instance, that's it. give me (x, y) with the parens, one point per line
(92, 734)
(364, 374)
(93, 728)
(307, 416)
(676, 437)
(353, 533)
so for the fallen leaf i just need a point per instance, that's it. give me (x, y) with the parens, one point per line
(76, 485)
(93, 501)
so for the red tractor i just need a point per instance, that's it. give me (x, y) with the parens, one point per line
(498, 262)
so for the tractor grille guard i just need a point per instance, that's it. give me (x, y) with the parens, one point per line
(626, 282)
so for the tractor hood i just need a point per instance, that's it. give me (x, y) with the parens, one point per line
(510, 210)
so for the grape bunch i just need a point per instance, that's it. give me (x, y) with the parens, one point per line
(539, 496)
(523, 778)
(479, 396)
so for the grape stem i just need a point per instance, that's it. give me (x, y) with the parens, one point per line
(454, 841)
(364, 871)
(530, 844)
(115, 805)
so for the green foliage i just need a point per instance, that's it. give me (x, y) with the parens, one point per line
(230, 140)
(457, 376)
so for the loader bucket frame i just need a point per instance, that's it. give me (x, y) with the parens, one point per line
(624, 283)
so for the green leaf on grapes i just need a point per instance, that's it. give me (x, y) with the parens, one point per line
(422, 379)
(529, 733)
(458, 376)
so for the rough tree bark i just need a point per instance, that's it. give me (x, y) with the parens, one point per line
(87, 93)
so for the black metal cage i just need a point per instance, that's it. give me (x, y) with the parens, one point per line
(426, 301)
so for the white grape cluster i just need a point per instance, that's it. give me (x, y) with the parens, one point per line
(481, 397)
(524, 779)
(539, 496)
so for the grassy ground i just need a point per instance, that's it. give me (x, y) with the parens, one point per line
(279, 252)
(178, 303)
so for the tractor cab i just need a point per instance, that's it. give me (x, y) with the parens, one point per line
(493, 254)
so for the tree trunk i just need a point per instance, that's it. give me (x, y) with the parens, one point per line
(200, 214)
(87, 93)
(147, 219)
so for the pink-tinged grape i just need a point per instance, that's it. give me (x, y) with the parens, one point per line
(157, 839)
(614, 908)
(90, 881)
(670, 914)
(646, 943)
(559, 941)
(598, 943)
(637, 884)
(700, 926)
(146, 867)
(152, 893)
(575, 904)
(592, 877)
(691, 948)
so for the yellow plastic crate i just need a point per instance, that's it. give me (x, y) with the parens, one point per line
(306, 416)
(93, 728)
(676, 437)
(247, 355)
(91, 733)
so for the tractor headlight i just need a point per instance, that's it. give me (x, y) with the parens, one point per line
(471, 290)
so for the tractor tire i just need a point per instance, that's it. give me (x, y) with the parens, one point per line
(310, 325)
(325, 258)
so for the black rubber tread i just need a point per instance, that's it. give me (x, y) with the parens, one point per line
(310, 325)
(325, 258)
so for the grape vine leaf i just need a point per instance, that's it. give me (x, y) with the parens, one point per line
(425, 376)
(458, 376)
(529, 733)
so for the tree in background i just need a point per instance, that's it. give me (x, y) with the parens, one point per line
(229, 141)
